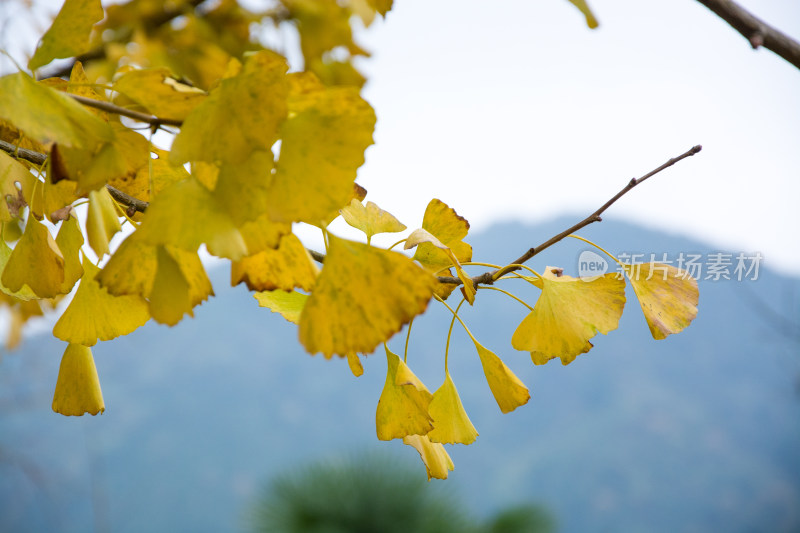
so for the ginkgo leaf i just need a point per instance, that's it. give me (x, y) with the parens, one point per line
(569, 312)
(370, 219)
(155, 90)
(78, 387)
(403, 405)
(80, 84)
(286, 267)
(508, 390)
(47, 115)
(49, 198)
(450, 229)
(451, 424)
(69, 241)
(263, 234)
(156, 173)
(422, 236)
(94, 314)
(35, 261)
(355, 364)
(363, 296)
(14, 180)
(186, 214)
(322, 146)
(131, 269)
(591, 21)
(238, 117)
(169, 298)
(102, 221)
(242, 188)
(288, 304)
(69, 34)
(668, 298)
(24, 293)
(436, 459)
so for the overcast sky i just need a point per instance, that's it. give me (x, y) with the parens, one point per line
(514, 109)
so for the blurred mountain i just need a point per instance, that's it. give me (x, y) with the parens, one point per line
(698, 432)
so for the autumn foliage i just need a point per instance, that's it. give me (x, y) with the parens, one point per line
(256, 147)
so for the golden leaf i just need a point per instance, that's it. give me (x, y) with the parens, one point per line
(102, 221)
(363, 296)
(370, 219)
(24, 293)
(668, 298)
(422, 236)
(507, 389)
(287, 267)
(78, 387)
(68, 36)
(95, 314)
(186, 214)
(69, 241)
(591, 21)
(451, 424)
(169, 298)
(355, 364)
(450, 229)
(403, 405)
(240, 116)
(323, 144)
(569, 312)
(12, 175)
(289, 304)
(35, 261)
(436, 459)
(158, 93)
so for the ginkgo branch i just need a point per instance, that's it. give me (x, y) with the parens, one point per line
(155, 122)
(756, 31)
(39, 158)
(487, 278)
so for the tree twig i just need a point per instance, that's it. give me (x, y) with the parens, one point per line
(487, 278)
(755, 30)
(155, 122)
(38, 158)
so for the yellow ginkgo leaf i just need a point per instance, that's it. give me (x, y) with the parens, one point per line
(24, 293)
(47, 115)
(169, 298)
(287, 267)
(263, 234)
(241, 187)
(355, 364)
(322, 146)
(131, 269)
(668, 298)
(370, 219)
(35, 261)
(69, 241)
(437, 460)
(49, 198)
(239, 116)
(363, 296)
(78, 387)
(403, 405)
(422, 236)
(508, 390)
(451, 425)
(591, 21)
(14, 180)
(450, 229)
(186, 214)
(69, 34)
(288, 304)
(95, 314)
(569, 312)
(102, 221)
(157, 173)
(158, 93)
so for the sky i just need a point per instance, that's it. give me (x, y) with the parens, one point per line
(515, 110)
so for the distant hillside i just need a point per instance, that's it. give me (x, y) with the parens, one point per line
(699, 432)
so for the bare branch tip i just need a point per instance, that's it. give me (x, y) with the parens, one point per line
(696, 148)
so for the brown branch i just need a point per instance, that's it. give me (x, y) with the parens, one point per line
(154, 121)
(755, 30)
(487, 278)
(38, 158)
